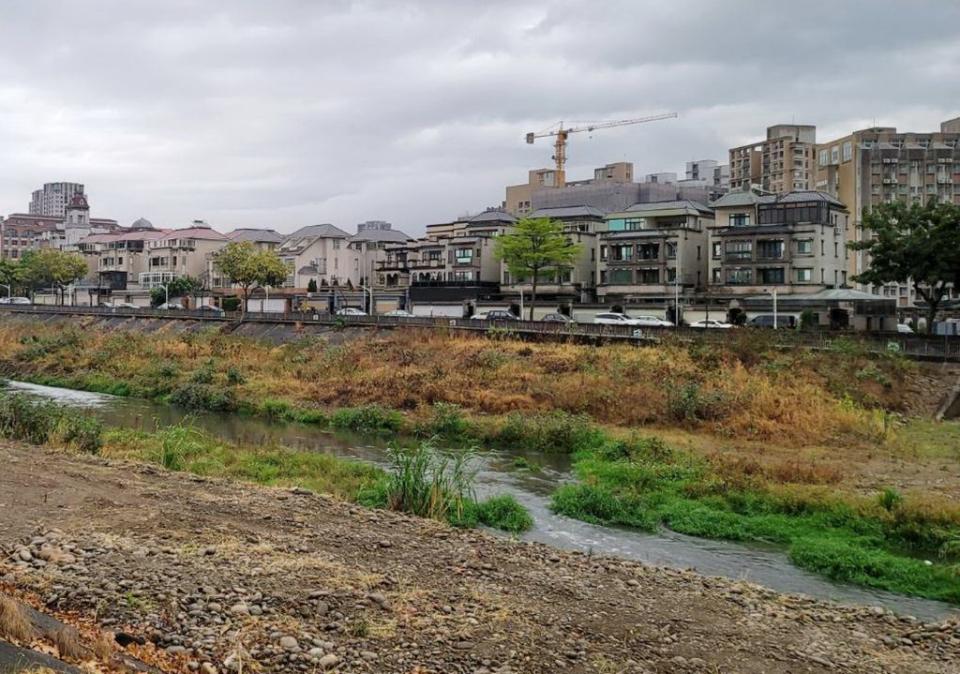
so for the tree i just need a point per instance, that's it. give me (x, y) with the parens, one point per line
(51, 267)
(533, 247)
(312, 285)
(9, 275)
(248, 267)
(181, 286)
(913, 243)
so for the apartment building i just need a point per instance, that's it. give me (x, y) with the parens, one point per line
(52, 199)
(648, 250)
(784, 162)
(116, 261)
(576, 283)
(180, 252)
(792, 242)
(519, 197)
(880, 164)
(313, 253)
(708, 172)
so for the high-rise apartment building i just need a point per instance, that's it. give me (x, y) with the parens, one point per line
(784, 162)
(878, 165)
(53, 198)
(710, 172)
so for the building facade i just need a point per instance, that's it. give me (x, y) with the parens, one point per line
(794, 243)
(653, 251)
(784, 162)
(52, 199)
(880, 164)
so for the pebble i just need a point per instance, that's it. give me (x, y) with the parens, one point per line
(289, 643)
(328, 661)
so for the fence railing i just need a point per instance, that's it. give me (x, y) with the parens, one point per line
(931, 347)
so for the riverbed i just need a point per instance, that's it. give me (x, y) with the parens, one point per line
(498, 472)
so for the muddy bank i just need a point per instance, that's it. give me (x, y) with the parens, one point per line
(217, 574)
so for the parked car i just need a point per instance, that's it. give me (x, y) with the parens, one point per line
(495, 315)
(710, 323)
(15, 300)
(613, 318)
(904, 329)
(783, 321)
(127, 305)
(210, 309)
(170, 306)
(557, 318)
(398, 313)
(351, 311)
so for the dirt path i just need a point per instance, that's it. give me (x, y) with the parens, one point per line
(226, 577)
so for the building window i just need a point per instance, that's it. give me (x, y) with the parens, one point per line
(634, 224)
(716, 275)
(622, 253)
(603, 253)
(463, 255)
(739, 250)
(648, 251)
(805, 247)
(847, 151)
(671, 249)
(739, 219)
(620, 276)
(648, 276)
(671, 274)
(739, 276)
(717, 250)
(336, 244)
(772, 275)
(770, 249)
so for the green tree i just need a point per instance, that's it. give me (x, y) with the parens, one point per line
(9, 275)
(312, 286)
(533, 247)
(181, 286)
(249, 267)
(913, 243)
(53, 268)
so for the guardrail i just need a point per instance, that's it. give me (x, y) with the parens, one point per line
(943, 348)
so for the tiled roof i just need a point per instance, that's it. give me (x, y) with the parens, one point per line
(390, 235)
(744, 198)
(325, 231)
(255, 235)
(808, 195)
(568, 212)
(491, 216)
(194, 233)
(650, 206)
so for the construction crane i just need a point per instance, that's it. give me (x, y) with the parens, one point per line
(560, 144)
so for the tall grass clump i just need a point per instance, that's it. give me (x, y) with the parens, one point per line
(40, 423)
(367, 419)
(504, 512)
(446, 420)
(554, 432)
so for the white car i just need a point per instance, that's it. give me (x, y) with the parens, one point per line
(398, 313)
(614, 318)
(170, 306)
(902, 328)
(15, 300)
(710, 323)
(351, 311)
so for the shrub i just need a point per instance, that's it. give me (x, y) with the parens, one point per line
(194, 396)
(689, 402)
(276, 409)
(23, 419)
(555, 432)
(504, 512)
(83, 432)
(890, 499)
(367, 419)
(177, 445)
(204, 374)
(446, 420)
(235, 376)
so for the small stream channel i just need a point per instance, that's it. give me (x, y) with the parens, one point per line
(763, 565)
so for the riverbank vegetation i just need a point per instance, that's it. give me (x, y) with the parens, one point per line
(424, 481)
(812, 451)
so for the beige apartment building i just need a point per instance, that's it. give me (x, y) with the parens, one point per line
(794, 243)
(879, 164)
(180, 252)
(784, 162)
(117, 260)
(520, 198)
(653, 250)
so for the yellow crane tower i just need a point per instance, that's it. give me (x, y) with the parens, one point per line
(561, 133)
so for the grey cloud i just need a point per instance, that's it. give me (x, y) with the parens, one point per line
(291, 112)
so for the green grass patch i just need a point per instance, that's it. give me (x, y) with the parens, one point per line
(504, 512)
(927, 438)
(554, 432)
(368, 419)
(886, 542)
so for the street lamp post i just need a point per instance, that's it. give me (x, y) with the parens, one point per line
(774, 293)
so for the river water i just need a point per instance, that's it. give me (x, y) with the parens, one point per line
(497, 473)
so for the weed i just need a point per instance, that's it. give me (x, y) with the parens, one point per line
(505, 513)
(14, 623)
(367, 419)
(197, 396)
(235, 376)
(82, 432)
(555, 432)
(890, 499)
(689, 402)
(446, 420)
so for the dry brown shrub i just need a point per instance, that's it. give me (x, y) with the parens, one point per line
(14, 623)
(69, 646)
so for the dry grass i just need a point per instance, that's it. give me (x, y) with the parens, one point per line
(68, 643)
(14, 623)
(753, 391)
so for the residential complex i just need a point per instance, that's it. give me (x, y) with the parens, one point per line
(20, 232)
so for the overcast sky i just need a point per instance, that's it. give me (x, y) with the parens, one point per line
(282, 113)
